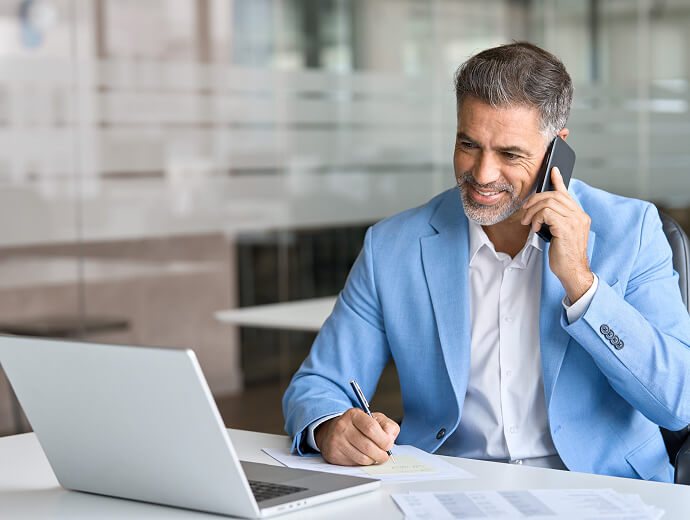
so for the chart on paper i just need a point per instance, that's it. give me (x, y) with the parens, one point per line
(561, 504)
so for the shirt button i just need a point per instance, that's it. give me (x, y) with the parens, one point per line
(441, 433)
(517, 461)
(507, 319)
(513, 429)
(509, 373)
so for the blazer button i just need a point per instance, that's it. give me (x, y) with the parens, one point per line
(619, 344)
(441, 433)
(604, 329)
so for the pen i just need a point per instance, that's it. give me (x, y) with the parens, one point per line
(364, 405)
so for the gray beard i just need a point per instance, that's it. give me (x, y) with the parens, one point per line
(487, 215)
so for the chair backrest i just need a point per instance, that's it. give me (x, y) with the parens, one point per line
(680, 247)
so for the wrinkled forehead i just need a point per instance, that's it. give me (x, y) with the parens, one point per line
(504, 126)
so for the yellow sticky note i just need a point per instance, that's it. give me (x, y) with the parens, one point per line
(404, 464)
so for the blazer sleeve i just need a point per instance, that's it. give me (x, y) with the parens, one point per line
(351, 345)
(638, 332)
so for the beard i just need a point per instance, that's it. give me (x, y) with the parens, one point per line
(488, 215)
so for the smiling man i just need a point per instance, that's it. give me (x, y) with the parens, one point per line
(568, 354)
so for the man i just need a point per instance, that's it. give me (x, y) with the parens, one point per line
(567, 354)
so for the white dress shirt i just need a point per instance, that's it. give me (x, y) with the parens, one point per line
(504, 415)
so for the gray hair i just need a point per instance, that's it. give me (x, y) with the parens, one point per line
(519, 73)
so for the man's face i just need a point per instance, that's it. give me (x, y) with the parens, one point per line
(498, 152)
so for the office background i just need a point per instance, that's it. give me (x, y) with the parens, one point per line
(163, 160)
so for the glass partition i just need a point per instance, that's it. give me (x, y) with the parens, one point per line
(164, 160)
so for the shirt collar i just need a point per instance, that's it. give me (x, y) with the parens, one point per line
(479, 239)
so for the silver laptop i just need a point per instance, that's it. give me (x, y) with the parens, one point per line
(140, 423)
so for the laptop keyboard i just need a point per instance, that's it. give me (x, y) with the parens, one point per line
(267, 490)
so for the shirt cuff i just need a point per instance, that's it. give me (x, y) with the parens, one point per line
(313, 426)
(574, 311)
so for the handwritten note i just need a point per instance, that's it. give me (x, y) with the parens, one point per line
(403, 465)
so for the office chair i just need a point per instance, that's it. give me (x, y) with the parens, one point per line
(678, 443)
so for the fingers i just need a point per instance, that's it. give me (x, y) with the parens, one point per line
(354, 438)
(366, 451)
(373, 430)
(344, 453)
(563, 198)
(549, 205)
(546, 210)
(390, 427)
(557, 180)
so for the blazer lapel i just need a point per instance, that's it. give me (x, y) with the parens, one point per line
(445, 262)
(552, 338)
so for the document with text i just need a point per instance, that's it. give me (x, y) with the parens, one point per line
(542, 504)
(410, 464)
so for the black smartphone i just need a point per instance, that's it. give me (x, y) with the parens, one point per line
(561, 155)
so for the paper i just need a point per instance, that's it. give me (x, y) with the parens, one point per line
(411, 464)
(566, 504)
(403, 465)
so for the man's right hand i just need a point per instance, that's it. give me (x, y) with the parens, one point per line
(355, 439)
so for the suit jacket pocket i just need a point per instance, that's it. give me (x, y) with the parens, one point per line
(650, 460)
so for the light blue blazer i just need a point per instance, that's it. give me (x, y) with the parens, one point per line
(407, 297)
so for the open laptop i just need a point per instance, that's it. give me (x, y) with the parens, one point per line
(140, 423)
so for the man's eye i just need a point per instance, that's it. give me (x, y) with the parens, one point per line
(509, 155)
(466, 144)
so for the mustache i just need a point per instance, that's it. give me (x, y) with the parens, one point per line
(492, 186)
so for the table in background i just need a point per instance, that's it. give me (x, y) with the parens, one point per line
(297, 315)
(29, 490)
(306, 315)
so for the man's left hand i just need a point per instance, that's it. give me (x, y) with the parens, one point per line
(569, 225)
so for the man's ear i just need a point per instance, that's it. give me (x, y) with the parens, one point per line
(563, 133)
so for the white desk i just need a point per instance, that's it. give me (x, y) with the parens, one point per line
(29, 490)
(294, 315)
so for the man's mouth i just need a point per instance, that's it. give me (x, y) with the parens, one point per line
(485, 197)
(486, 193)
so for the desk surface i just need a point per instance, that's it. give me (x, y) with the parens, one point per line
(294, 315)
(28, 488)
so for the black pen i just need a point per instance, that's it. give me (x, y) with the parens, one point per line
(364, 405)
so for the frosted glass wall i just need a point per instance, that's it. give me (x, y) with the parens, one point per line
(143, 143)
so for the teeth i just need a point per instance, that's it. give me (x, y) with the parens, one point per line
(486, 193)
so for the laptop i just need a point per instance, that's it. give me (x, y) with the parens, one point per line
(140, 423)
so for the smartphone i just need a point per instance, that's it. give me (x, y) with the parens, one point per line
(561, 155)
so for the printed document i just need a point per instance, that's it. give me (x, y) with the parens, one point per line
(542, 504)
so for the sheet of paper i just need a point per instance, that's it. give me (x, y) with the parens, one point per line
(410, 464)
(566, 504)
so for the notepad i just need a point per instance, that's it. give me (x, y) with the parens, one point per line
(403, 465)
(410, 464)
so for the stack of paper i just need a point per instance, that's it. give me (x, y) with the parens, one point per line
(575, 504)
(410, 464)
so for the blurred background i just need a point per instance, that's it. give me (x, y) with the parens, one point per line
(165, 160)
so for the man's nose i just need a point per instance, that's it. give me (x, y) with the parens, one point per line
(486, 170)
